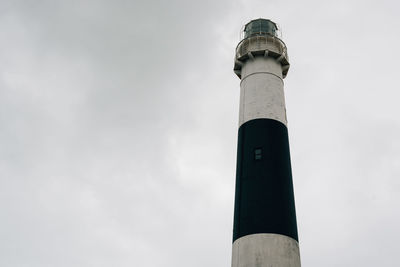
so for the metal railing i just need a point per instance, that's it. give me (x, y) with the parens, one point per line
(259, 43)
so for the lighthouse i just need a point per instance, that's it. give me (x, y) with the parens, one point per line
(265, 227)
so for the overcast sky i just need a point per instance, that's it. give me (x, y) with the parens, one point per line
(118, 130)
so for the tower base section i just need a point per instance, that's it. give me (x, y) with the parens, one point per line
(265, 250)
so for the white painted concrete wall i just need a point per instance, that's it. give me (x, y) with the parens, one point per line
(261, 91)
(265, 250)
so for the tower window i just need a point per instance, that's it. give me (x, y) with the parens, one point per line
(257, 154)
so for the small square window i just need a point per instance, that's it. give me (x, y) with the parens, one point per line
(257, 154)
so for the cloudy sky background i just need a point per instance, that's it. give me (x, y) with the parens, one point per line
(118, 127)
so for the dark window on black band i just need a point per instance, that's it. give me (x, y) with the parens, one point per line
(258, 154)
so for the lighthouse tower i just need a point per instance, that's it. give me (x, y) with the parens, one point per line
(265, 228)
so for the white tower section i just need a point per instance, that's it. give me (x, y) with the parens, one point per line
(261, 62)
(261, 90)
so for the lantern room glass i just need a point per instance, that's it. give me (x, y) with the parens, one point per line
(260, 27)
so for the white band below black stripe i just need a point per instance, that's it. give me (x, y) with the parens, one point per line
(265, 250)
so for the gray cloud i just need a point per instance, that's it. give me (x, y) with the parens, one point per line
(118, 130)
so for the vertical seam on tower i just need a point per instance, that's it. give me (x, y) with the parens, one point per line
(240, 182)
(244, 107)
